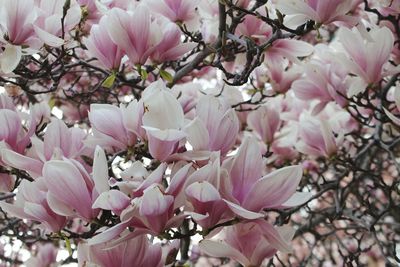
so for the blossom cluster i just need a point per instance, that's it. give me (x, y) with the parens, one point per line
(130, 129)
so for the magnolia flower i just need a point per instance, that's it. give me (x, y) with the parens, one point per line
(109, 127)
(323, 12)
(321, 82)
(265, 121)
(368, 52)
(59, 141)
(247, 192)
(32, 203)
(48, 24)
(136, 251)
(249, 243)
(181, 11)
(317, 138)
(131, 32)
(163, 120)
(46, 256)
(169, 46)
(152, 208)
(100, 45)
(71, 190)
(254, 28)
(207, 203)
(287, 48)
(216, 126)
(16, 30)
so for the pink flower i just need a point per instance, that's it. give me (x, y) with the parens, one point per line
(249, 243)
(248, 192)
(164, 129)
(322, 82)
(152, 208)
(323, 12)
(109, 127)
(316, 137)
(265, 121)
(32, 203)
(368, 52)
(175, 10)
(59, 141)
(71, 190)
(208, 206)
(132, 32)
(169, 46)
(48, 24)
(19, 16)
(46, 256)
(216, 126)
(281, 76)
(287, 48)
(254, 28)
(16, 30)
(100, 45)
(136, 251)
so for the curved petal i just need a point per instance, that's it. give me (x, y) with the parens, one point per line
(221, 250)
(243, 213)
(274, 189)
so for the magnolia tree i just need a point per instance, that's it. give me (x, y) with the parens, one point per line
(199, 133)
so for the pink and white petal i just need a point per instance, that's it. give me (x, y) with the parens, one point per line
(40, 214)
(178, 180)
(109, 234)
(228, 131)
(113, 200)
(197, 134)
(357, 85)
(329, 138)
(10, 58)
(246, 169)
(163, 143)
(274, 189)
(154, 202)
(155, 111)
(154, 178)
(298, 198)
(48, 38)
(58, 206)
(14, 210)
(274, 237)
(18, 161)
(175, 221)
(178, 51)
(294, 7)
(100, 171)
(65, 181)
(242, 212)
(221, 250)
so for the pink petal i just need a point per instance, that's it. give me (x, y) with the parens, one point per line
(242, 212)
(222, 250)
(274, 189)
(66, 183)
(113, 200)
(246, 169)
